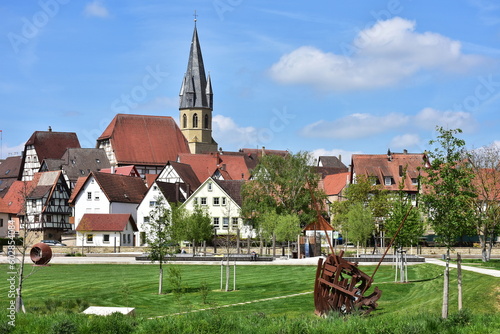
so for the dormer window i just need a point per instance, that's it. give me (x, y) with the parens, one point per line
(414, 181)
(387, 180)
(209, 186)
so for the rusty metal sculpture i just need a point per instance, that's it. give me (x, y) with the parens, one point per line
(340, 285)
(41, 254)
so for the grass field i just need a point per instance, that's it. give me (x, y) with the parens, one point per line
(56, 288)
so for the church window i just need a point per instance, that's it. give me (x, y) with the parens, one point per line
(184, 121)
(205, 123)
(195, 120)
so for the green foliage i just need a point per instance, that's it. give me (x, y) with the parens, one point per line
(447, 193)
(359, 224)
(195, 226)
(282, 184)
(204, 291)
(285, 227)
(413, 227)
(159, 230)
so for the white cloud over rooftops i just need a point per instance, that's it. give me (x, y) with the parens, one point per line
(380, 56)
(364, 125)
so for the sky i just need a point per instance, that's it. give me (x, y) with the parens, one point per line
(329, 77)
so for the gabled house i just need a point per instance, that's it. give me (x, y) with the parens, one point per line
(146, 142)
(175, 172)
(222, 199)
(334, 186)
(106, 193)
(47, 208)
(12, 207)
(45, 145)
(159, 192)
(112, 230)
(390, 170)
(9, 172)
(77, 162)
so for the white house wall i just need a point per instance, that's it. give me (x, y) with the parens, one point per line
(125, 238)
(145, 208)
(98, 203)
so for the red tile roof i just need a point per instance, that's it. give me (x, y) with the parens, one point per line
(232, 167)
(52, 145)
(79, 184)
(381, 165)
(113, 222)
(203, 165)
(145, 140)
(333, 184)
(15, 197)
(122, 170)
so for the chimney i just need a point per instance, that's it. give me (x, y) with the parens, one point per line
(340, 157)
(263, 150)
(389, 155)
(50, 128)
(405, 151)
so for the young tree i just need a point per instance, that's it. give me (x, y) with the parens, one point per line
(282, 184)
(159, 236)
(486, 165)
(359, 224)
(195, 227)
(447, 194)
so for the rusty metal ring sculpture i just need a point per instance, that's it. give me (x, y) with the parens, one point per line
(41, 254)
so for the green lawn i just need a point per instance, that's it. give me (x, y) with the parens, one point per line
(492, 264)
(61, 286)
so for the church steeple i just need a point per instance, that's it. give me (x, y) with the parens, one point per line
(196, 102)
(194, 85)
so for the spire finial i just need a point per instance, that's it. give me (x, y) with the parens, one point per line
(195, 17)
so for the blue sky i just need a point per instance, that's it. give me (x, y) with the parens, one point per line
(330, 77)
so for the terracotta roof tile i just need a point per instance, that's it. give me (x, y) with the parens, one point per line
(333, 184)
(113, 222)
(122, 170)
(15, 197)
(79, 184)
(145, 140)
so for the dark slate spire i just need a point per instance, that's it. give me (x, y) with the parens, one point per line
(194, 90)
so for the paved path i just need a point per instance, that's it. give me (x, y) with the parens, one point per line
(491, 272)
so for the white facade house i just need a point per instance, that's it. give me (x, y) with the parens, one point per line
(111, 230)
(148, 204)
(222, 199)
(104, 193)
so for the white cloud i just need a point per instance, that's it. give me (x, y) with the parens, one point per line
(96, 9)
(405, 141)
(355, 126)
(226, 131)
(428, 118)
(12, 151)
(379, 56)
(365, 125)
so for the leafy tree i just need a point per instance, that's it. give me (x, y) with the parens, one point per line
(485, 164)
(195, 227)
(281, 185)
(447, 194)
(413, 227)
(359, 224)
(159, 236)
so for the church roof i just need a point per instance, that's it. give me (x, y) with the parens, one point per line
(144, 140)
(195, 93)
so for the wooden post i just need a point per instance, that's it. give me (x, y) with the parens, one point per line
(459, 279)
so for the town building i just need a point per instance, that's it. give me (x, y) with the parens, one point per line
(106, 230)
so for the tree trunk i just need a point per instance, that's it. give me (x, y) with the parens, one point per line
(484, 250)
(238, 251)
(227, 273)
(274, 245)
(446, 287)
(160, 283)
(459, 280)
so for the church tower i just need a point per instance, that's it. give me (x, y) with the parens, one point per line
(196, 102)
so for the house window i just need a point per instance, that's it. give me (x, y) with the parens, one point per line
(98, 161)
(195, 120)
(33, 203)
(387, 180)
(89, 196)
(195, 200)
(209, 186)
(414, 181)
(146, 219)
(234, 223)
(225, 223)
(90, 238)
(216, 222)
(48, 219)
(203, 201)
(124, 238)
(96, 196)
(105, 238)
(216, 201)
(129, 240)
(152, 204)
(1, 222)
(223, 201)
